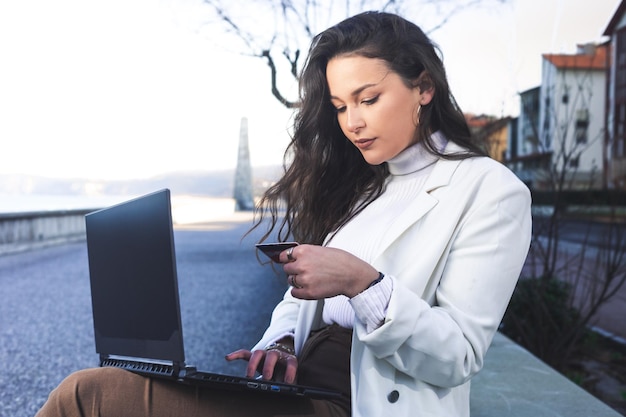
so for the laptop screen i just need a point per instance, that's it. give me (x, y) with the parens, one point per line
(134, 286)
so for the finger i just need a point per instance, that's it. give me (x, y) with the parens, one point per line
(254, 362)
(291, 369)
(239, 354)
(271, 358)
(292, 268)
(282, 257)
(305, 293)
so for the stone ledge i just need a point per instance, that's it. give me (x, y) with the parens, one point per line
(25, 231)
(11, 248)
(515, 383)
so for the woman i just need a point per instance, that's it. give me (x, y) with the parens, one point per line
(412, 241)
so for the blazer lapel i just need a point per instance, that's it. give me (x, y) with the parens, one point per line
(423, 203)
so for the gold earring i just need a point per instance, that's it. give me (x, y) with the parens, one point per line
(419, 110)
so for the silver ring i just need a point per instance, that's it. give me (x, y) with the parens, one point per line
(290, 254)
(292, 281)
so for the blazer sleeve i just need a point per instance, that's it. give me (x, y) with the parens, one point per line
(443, 339)
(283, 320)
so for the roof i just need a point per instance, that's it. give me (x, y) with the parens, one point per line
(580, 61)
(493, 127)
(617, 16)
(478, 121)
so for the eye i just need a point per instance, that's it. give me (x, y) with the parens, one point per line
(370, 101)
(340, 109)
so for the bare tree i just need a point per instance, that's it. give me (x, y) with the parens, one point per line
(564, 285)
(272, 29)
(567, 131)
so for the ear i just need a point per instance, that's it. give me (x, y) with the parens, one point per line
(425, 87)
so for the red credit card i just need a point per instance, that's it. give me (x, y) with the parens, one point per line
(272, 250)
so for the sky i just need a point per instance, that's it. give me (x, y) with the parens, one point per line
(125, 89)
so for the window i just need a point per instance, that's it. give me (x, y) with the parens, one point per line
(582, 126)
(620, 133)
(547, 140)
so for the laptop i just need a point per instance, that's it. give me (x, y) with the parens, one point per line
(135, 299)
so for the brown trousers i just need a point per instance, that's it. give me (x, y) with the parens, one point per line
(102, 392)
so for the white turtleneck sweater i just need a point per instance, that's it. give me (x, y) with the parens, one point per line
(362, 235)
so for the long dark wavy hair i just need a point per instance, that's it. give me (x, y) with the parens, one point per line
(326, 180)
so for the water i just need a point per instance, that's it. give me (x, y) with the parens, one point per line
(21, 203)
(186, 209)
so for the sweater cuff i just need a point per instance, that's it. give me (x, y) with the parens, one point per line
(370, 306)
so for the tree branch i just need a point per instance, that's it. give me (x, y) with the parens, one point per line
(298, 21)
(275, 92)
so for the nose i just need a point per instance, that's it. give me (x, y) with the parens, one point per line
(354, 120)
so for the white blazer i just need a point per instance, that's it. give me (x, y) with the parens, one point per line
(454, 256)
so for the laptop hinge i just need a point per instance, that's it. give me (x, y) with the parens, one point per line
(145, 367)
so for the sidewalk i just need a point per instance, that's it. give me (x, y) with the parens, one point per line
(217, 270)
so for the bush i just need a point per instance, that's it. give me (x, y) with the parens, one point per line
(541, 318)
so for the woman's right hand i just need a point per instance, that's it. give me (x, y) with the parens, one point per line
(272, 364)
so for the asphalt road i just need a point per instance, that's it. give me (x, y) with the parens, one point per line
(45, 309)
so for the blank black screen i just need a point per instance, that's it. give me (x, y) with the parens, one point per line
(134, 286)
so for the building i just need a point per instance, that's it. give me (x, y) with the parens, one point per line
(615, 137)
(524, 155)
(491, 131)
(561, 127)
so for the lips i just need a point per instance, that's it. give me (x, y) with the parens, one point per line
(364, 143)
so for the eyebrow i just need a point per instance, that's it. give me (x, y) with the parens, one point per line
(363, 87)
(357, 91)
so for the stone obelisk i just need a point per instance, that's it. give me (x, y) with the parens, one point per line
(244, 199)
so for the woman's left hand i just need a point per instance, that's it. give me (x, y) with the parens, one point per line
(318, 272)
(272, 364)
